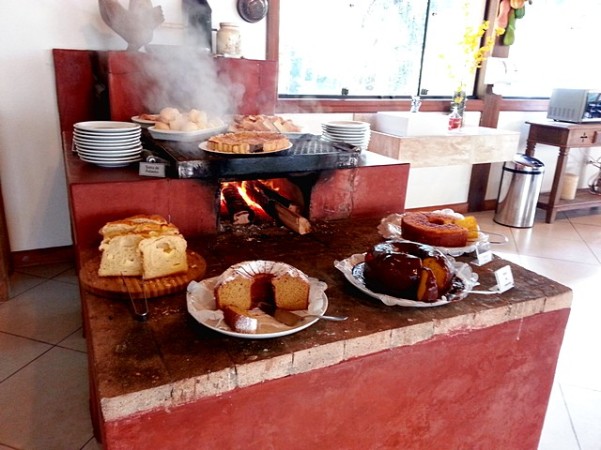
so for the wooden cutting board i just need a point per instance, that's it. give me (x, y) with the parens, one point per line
(124, 287)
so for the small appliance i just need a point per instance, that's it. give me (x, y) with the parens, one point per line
(575, 105)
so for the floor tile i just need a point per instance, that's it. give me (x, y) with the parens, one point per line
(21, 282)
(590, 234)
(584, 406)
(562, 229)
(558, 433)
(45, 405)
(46, 270)
(48, 312)
(554, 248)
(92, 444)
(569, 273)
(17, 352)
(585, 216)
(75, 341)
(67, 276)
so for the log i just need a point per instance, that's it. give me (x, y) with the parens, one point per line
(290, 219)
(276, 196)
(239, 211)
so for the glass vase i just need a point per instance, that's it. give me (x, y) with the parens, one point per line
(459, 102)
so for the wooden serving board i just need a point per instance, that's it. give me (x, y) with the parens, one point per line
(135, 287)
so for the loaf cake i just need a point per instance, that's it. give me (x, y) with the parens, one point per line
(244, 286)
(248, 142)
(408, 270)
(146, 246)
(439, 229)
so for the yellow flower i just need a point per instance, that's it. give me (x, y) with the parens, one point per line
(473, 53)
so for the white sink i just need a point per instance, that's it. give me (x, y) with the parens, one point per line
(400, 123)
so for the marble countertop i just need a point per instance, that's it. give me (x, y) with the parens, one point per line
(464, 146)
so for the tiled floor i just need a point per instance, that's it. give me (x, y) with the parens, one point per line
(43, 374)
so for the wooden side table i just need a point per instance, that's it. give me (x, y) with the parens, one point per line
(564, 136)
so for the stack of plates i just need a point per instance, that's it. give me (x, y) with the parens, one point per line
(348, 131)
(108, 144)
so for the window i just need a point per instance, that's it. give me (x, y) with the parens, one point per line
(371, 48)
(555, 47)
(393, 48)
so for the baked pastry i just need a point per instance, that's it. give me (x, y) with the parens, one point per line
(433, 229)
(146, 246)
(173, 119)
(248, 142)
(408, 270)
(138, 224)
(249, 283)
(262, 122)
(240, 320)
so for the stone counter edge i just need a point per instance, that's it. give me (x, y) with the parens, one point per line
(244, 375)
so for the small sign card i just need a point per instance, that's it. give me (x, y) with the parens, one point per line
(152, 169)
(504, 278)
(483, 254)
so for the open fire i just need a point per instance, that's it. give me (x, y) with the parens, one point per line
(263, 202)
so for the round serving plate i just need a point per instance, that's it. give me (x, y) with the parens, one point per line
(145, 123)
(116, 147)
(100, 140)
(204, 146)
(104, 154)
(107, 138)
(346, 124)
(107, 127)
(201, 304)
(96, 160)
(352, 269)
(183, 136)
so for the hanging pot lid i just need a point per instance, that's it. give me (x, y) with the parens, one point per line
(252, 10)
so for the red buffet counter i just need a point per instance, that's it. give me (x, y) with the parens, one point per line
(476, 372)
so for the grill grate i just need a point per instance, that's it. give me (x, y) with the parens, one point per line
(308, 153)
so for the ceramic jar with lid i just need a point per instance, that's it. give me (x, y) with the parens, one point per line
(228, 40)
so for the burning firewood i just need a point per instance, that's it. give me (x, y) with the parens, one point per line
(274, 195)
(240, 212)
(289, 218)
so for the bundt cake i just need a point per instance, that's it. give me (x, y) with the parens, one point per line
(249, 283)
(435, 229)
(240, 320)
(408, 270)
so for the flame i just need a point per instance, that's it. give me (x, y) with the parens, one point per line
(243, 191)
(242, 188)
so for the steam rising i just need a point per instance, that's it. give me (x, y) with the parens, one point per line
(186, 77)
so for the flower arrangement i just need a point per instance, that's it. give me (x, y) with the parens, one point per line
(473, 54)
(470, 56)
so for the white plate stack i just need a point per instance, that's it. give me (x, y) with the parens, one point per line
(347, 131)
(108, 143)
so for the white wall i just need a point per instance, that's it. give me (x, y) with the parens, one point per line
(31, 162)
